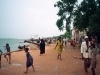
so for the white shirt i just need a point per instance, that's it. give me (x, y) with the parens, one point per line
(65, 40)
(83, 50)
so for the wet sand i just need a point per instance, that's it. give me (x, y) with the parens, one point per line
(47, 64)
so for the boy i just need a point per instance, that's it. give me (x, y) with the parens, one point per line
(0, 57)
(8, 53)
(94, 51)
(29, 61)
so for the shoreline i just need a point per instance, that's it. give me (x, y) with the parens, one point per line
(13, 51)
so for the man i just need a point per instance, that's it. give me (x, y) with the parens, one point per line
(8, 53)
(85, 55)
(65, 41)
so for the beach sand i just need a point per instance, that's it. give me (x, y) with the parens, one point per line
(47, 64)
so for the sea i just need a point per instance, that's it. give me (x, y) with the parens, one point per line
(13, 43)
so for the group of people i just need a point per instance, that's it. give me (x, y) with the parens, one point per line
(29, 60)
(89, 51)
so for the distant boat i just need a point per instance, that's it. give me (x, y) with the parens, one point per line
(20, 47)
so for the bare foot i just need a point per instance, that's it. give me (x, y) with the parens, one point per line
(7, 60)
(33, 70)
(25, 72)
(86, 71)
(57, 57)
(60, 59)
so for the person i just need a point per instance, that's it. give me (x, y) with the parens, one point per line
(0, 57)
(24, 46)
(93, 41)
(8, 53)
(59, 46)
(94, 51)
(74, 43)
(65, 41)
(68, 45)
(80, 42)
(42, 47)
(29, 60)
(85, 55)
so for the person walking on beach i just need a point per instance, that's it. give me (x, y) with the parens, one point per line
(0, 57)
(85, 55)
(8, 53)
(42, 47)
(29, 60)
(59, 46)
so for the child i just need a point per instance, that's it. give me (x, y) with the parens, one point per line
(94, 51)
(0, 57)
(8, 53)
(29, 61)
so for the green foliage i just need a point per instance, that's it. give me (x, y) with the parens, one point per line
(83, 16)
(67, 35)
(65, 7)
(59, 24)
(87, 15)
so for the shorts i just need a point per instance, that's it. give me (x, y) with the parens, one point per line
(8, 53)
(93, 63)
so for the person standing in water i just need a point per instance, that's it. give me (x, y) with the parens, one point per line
(59, 46)
(8, 53)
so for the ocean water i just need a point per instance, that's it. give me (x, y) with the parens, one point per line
(13, 43)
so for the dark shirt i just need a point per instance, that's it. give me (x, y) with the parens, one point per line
(8, 48)
(29, 57)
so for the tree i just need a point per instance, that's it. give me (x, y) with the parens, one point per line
(65, 7)
(87, 15)
(82, 16)
(67, 34)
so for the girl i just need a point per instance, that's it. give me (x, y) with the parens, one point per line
(29, 61)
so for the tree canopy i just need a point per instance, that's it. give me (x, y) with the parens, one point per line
(82, 16)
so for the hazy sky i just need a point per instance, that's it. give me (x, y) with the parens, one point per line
(23, 18)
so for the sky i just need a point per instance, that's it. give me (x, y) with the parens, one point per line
(26, 18)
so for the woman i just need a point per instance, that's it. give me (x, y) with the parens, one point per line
(59, 46)
(42, 47)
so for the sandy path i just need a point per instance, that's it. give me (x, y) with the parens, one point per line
(47, 64)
